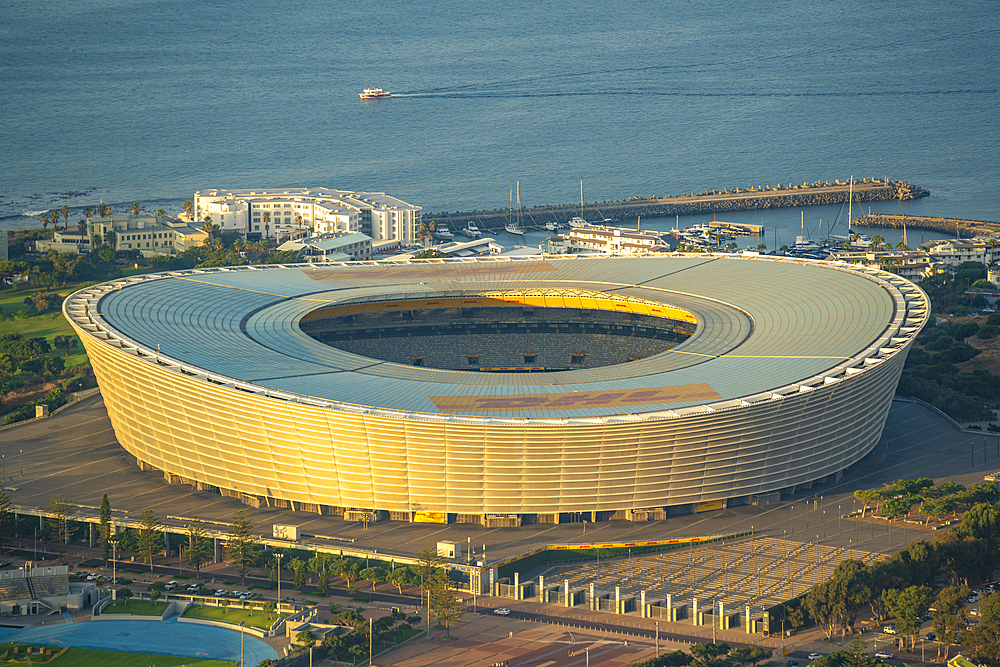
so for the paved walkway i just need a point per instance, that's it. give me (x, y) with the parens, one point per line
(165, 638)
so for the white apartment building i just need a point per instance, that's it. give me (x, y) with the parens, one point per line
(953, 252)
(284, 214)
(150, 235)
(619, 240)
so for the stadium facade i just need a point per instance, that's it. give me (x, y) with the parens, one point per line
(502, 391)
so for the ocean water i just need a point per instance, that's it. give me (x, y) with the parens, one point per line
(150, 100)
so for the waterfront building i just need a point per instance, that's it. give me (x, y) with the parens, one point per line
(911, 264)
(149, 234)
(65, 241)
(294, 213)
(952, 252)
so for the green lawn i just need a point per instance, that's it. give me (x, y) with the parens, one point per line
(256, 618)
(81, 657)
(136, 607)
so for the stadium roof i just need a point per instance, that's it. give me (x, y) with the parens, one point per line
(766, 327)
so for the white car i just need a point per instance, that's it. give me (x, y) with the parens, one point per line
(883, 655)
(171, 585)
(502, 611)
(815, 656)
(889, 629)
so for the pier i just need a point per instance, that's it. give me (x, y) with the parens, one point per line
(709, 201)
(955, 226)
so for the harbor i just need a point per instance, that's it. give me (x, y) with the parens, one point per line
(545, 217)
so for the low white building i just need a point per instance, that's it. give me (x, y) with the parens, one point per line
(953, 252)
(283, 214)
(617, 240)
(65, 241)
(332, 247)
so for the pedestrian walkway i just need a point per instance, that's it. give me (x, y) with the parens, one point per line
(165, 638)
(762, 571)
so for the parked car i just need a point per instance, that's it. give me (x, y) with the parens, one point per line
(930, 636)
(502, 611)
(222, 592)
(194, 588)
(792, 663)
(889, 629)
(815, 656)
(883, 655)
(171, 585)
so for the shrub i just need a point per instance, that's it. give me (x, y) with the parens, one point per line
(988, 331)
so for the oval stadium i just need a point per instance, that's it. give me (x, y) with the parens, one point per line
(502, 391)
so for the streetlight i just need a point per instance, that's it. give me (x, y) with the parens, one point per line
(657, 639)
(279, 556)
(241, 643)
(588, 655)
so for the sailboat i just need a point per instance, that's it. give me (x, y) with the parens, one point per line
(514, 227)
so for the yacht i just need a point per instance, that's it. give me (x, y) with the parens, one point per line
(471, 231)
(443, 233)
(373, 94)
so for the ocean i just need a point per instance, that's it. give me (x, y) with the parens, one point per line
(147, 101)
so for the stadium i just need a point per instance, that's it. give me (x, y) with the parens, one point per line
(502, 391)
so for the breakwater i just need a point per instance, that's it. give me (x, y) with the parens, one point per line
(710, 201)
(957, 227)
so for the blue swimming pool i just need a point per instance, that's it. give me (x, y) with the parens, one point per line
(166, 638)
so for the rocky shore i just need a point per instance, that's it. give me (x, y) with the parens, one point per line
(954, 226)
(710, 201)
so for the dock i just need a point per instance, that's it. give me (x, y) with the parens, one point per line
(738, 228)
(958, 227)
(710, 201)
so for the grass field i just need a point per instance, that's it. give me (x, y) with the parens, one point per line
(136, 607)
(254, 618)
(81, 657)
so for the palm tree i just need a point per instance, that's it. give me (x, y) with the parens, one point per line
(160, 212)
(298, 221)
(877, 242)
(54, 217)
(207, 227)
(65, 213)
(188, 207)
(134, 209)
(267, 223)
(44, 219)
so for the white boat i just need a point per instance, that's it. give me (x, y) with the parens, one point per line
(442, 232)
(471, 231)
(551, 226)
(577, 222)
(514, 226)
(373, 94)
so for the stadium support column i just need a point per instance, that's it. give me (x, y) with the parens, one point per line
(593, 607)
(618, 599)
(694, 611)
(642, 603)
(747, 621)
(218, 550)
(567, 598)
(670, 608)
(90, 537)
(541, 588)
(517, 586)
(166, 544)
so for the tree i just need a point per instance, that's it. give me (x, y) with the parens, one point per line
(400, 577)
(428, 562)
(199, 547)
(134, 209)
(6, 516)
(749, 655)
(64, 343)
(300, 574)
(908, 606)
(160, 212)
(444, 607)
(65, 214)
(150, 536)
(267, 224)
(124, 594)
(984, 639)
(105, 516)
(241, 543)
(949, 617)
(323, 581)
(710, 655)
(44, 219)
(374, 575)
(188, 207)
(821, 604)
(60, 511)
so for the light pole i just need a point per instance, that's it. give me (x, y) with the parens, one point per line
(657, 639)
(588, 655)
(277, 571)
(241, 643)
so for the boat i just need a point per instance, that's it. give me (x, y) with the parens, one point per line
(442, 232)
(373, 93)
(471, 231)
(577, 221)
(551, 226)
(514, 226)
